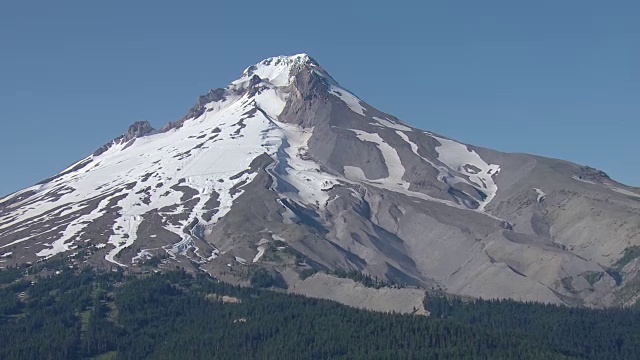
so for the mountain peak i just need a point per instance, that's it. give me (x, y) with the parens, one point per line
(278, 70)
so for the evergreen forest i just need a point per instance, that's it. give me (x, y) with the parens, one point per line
(86, 314)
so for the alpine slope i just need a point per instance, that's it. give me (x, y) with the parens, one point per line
(288, 171)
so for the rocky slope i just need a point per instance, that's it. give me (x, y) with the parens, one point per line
(286, 170)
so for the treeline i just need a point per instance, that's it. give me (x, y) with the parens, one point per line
(364, 279)
(84, 314)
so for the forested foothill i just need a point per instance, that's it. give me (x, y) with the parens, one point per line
(51, 311)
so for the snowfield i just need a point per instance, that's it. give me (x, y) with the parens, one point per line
(203, 156)
(176, 172)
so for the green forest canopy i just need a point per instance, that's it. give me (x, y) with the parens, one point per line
(87, 314)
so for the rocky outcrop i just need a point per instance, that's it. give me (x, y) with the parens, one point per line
(199, 108)
(136, 130)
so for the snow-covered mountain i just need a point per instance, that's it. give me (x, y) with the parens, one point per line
(286, 169)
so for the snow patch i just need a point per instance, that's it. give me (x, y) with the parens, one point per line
(73, 229)
(277, 237)
(389, 124)
(443, 172)
(541, 194)
(141, 256)
(391, 158)
(300, 171)
(271, 102)
(458, 157)
(625, 192)
(348, 98)
(354, 173)
(583, 180)
(125, 229)
(261, 250)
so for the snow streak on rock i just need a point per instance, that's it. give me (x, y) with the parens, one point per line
(391, 159)
(468, 163)
(351, 100)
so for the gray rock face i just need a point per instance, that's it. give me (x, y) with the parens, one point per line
(136, 130)
(287, 170)
(199, 108)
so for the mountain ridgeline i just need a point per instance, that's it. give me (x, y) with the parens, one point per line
(287, 177)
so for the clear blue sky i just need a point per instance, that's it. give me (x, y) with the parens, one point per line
(554, 78)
